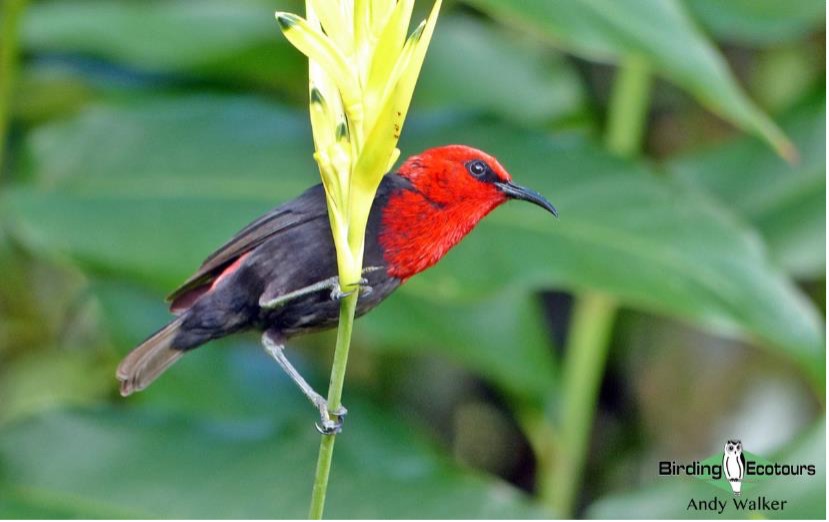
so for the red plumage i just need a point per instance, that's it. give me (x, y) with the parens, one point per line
(420, 226)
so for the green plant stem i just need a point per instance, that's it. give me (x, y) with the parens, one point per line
(628, 107)
(587, 346)
(335, 393)
(9, 55)
(562, 466)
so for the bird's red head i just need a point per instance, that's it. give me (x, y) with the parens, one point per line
(452, 188)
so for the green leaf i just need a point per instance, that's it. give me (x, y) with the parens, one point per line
(659, 32)
(50, 92)
(181, 175)
(134, 464)
(529, 84)
(668, 497)
(759, 22)
(39, 381)
(159, 197)
(237, 41)
(786, 203)
(501, 337)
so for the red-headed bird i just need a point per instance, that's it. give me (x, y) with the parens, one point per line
(279, 274)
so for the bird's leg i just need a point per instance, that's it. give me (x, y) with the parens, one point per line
(332, 283)
(325, 284)
(327, 425)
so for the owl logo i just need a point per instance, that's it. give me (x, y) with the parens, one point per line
(734, 465)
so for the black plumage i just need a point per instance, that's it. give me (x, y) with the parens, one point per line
(288, 249)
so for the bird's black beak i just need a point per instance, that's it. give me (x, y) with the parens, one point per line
(513, 191)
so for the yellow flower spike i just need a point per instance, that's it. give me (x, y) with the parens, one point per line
(319, 81)
(408, 79)
(331, 17)
(395, 154)
(362, 72)
(362, 30)
(320, 120)
(362, 76)
(380, 11)
(382, 139)
(319, 48)
(381, 142)
(341, 154)
(324, 134)
(326, 111)
(388, 50)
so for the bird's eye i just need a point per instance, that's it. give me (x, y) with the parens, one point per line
(477, 168)
(730, 447)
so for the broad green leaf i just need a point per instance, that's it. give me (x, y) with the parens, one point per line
(529, 85)
(668, 497)
(658, 31)
(41, 380)
(220, 160)
(49, 92)
(151, 205)
(759, 22)
(501, 337)
(787, 203)
(233, 41)
(139, 464)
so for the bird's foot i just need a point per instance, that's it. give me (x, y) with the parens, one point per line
(337, 292)
(331, 422)
(332, 284)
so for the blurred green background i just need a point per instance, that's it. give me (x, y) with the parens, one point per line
(542, 369)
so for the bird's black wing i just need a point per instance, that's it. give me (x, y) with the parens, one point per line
(309, 206)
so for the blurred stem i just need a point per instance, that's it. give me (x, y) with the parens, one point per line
(560, 473)
(586, 354)
(628, 107)
(9, 29)
(335, 393)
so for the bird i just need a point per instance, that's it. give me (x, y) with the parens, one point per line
(278, 275)
(734, 465)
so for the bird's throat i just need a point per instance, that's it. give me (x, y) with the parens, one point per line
(416, 231)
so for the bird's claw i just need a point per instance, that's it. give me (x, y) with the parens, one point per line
(331, 423)
(337, 293)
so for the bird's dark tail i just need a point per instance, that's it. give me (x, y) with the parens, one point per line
(149, 360)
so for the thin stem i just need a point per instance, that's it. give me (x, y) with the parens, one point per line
(335, 393)
(586, 350)
(561, 465)
(335, 388)
(9, 26)
(628, 107)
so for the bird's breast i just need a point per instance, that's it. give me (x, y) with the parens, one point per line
(415, 232)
